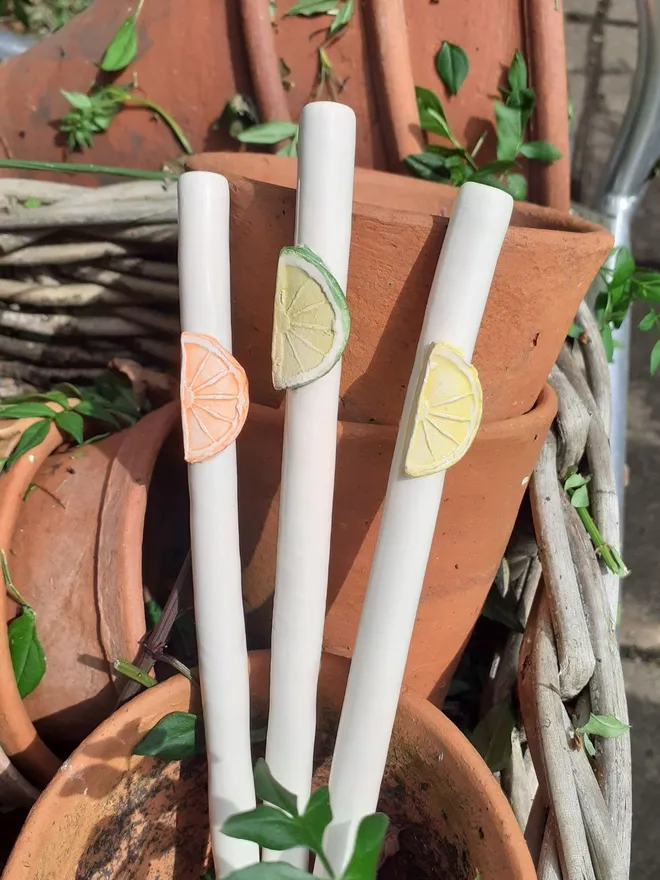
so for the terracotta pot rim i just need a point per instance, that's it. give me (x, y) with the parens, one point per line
(175, 694)
(18, 736)
(553, 220)
(545, 405)
(17, 733)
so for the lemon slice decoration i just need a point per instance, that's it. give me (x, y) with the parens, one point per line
(447, 415)
(311, 321)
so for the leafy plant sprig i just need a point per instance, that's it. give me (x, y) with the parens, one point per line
(240, 116)
(341, 10)
(109, 401)
(606, 726)
(27, 654)
(277, 824)
(576, 486)
(623, 284)
(93, 113)
(456, 164)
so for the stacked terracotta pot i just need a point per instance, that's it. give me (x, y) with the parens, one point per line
(547, 263)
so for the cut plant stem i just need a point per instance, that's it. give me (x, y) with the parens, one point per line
(123, 667)
(608, 554)
(223, 660)
(323, 224)
(11, 589)
(167, 119)
(84, 168)
(469, 255)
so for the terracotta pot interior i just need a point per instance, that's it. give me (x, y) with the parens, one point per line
(166, 540)
(151, 822)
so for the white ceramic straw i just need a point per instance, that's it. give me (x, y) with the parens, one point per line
(323, 223)
(223, 662)
(453, 315)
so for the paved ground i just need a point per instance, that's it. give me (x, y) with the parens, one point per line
(601, 38)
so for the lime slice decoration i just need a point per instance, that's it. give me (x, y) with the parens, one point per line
(447, 414)
(311, 322)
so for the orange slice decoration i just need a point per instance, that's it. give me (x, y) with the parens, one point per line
(214, 397)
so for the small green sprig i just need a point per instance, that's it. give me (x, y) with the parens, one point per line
(456, 164)
(110, 401)
(576, 486)
(623, 284)
(606, 726)
(27, 654)
(93, 113)
(277, 824)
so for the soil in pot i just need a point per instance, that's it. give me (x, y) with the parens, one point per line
(113, 815)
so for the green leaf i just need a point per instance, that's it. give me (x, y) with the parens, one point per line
(509, 131)
(655, 358)
(176, 736)
(517, 73)
(317, 817)
(432, 116)
(95, 410)
(492, 736)
(71, 423)
(624, 266)
(32, 436)
(153, 612)
(575, 331)
(290, 148)
(588, 745)
(267, 826)
(647, 322)
(268, 789)
(608, 341)
(27, 655)
(428, 166)
(78, 100)
(452, 65)
(31, 203)
(580, 498)
(268, 133)
(270, 871)
(311, 7)
(541, 150)
(575, 481)
(604, 725)
(344, 15)
(514, 184)
(363, 864)
(123, 47)
(26, 411)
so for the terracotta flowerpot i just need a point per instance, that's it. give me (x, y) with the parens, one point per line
(191, 65)
(74, 546)
(114, 815)
(481, 499)
(547, 263)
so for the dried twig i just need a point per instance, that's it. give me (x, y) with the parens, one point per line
(576, 656)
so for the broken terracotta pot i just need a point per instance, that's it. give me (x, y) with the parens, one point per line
(109, 813)
(192, 65)
(547, 264)
(481, 498)
(75, 550)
